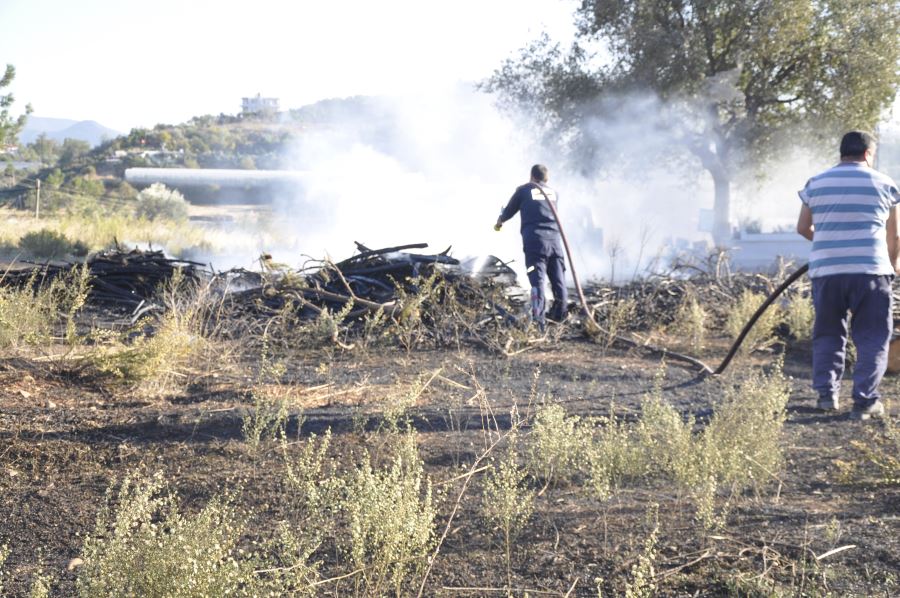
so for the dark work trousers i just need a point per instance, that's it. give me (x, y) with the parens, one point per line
(863, 301)
(543, 260)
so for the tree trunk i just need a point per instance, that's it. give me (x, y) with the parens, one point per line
(721, 208)
(713, 160)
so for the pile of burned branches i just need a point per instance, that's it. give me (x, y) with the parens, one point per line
(656, 299)
(119, 280)
(416, 299)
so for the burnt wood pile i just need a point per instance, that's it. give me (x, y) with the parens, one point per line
(656, 299)
(446, 299)
(119, 280)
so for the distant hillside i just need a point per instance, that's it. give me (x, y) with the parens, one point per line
(62, 128)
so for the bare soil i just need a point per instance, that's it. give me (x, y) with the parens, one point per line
(64, 441)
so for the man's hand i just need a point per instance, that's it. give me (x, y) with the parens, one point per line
(498, 225)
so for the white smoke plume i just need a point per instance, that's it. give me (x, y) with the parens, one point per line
(438, 167)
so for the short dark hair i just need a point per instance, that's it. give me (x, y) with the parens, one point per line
(539, 173)
(856, 143)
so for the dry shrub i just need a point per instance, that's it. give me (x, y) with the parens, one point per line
(30, 315)
(159, 349)
(689, 323)
(643, 576)
(145, 546)
(557, 444)
(618, 316)
(739, 448)
(878, 454)
(267, 416)
(391, 518)
(26, 317)
(799, 316)
(508, 501)
(763, 332)
(4, 554)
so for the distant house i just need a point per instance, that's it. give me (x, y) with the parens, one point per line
(259, 105)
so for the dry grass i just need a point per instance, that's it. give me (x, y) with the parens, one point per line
(156, 352)
(97, 231)
(31, 316)
(763, 333)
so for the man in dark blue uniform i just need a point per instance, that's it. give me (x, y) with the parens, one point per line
(542, 244)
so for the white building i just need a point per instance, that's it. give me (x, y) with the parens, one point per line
(259, 105)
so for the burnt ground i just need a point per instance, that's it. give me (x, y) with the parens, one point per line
(64, 441)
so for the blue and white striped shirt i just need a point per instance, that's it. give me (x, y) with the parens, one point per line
(850, 205)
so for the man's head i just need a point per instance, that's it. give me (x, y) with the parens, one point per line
(858, 146)
(539, 173)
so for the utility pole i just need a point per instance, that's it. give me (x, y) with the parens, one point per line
(37, 201)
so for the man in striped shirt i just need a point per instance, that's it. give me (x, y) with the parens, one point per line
(849, 212)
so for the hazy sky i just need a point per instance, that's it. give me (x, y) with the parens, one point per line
(128, 63)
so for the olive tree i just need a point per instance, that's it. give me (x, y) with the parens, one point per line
(743, 73)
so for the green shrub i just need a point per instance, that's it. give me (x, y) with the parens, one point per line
(87, 186)
(643, 582)
(158, 202)
(665, 439)
(269, 412)
(741, 445)
(47, 244)
(145, 546)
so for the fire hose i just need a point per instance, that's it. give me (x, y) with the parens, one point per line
(594, 328)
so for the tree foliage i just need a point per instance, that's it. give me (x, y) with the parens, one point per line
(9, 126)
(741, 75)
